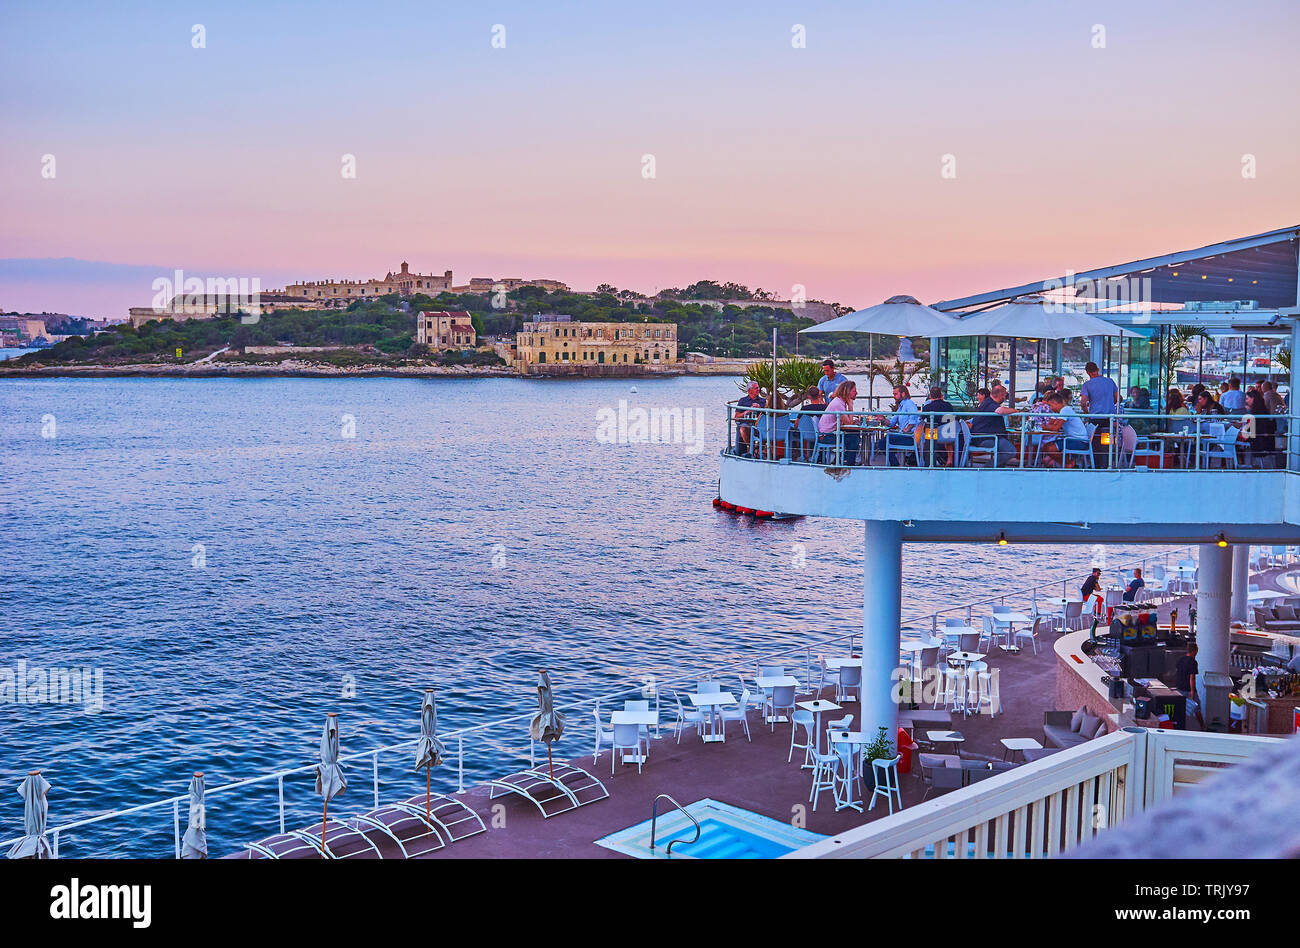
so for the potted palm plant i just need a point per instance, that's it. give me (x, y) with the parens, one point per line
(881, 748)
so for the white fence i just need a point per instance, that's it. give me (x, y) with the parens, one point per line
(1051, 805)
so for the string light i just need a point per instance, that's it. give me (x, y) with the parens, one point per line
(1223, 541)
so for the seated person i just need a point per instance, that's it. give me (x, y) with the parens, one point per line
(1136, 583)
(905, 420)
(1074, 434)
(831, 422)
(941, 416)
(810, 403)
(745, 419)
(992, 421)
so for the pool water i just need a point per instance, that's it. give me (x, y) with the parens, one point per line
(726, 832)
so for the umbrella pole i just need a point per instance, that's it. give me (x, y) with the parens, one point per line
(549, 766)
(428, 779)
(324, 814)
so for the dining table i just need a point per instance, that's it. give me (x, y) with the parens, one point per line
(646, 719)
(712, 701)
(855, 739)
(1009, 619)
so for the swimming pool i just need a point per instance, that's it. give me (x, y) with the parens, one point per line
(726, 832)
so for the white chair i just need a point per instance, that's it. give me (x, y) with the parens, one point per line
(1073, 615)
(757, 698)
(850, 677)
(603, 733)
(708, 687)
(640, 706)
(802, 719)
(843, 724)
(988, 692)
(992, 632)
(692, 718)
(782, 702)
(739, 713)
(820, 675)
(1042, 623)
(886, 774)
(826, 776)
(627, 737)
(954, 689)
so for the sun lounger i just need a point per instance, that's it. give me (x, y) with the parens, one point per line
(342, 841)
(570, 788)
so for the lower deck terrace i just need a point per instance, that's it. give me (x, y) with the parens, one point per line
(755, 775)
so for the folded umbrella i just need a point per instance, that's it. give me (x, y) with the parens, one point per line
(194, 844)
(428, 750)
(33, 845)
(547, 724)
(330, 781)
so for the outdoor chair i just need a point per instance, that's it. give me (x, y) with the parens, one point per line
(1146, 448)
(825, 776)
(886, 778)
(969, 642)
(904, 443)
(1074, 448)
(686, 718)
(627, 737)
(782, 703)
(850, 678)
(738, 713)
(988, 694)
(943, 779)
(603, 734)
(805, 720)
(1223, 446)
(1073, 615)
(992, 633)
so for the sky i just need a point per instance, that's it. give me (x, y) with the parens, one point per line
(930, 148)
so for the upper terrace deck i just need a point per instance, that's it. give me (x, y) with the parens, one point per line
(945, 483)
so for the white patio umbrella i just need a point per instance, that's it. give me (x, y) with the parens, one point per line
(429, 750)
(896, 316)
(1032, 317)
(547, 724)
(330, 781)
(33, 845)
(194, 844)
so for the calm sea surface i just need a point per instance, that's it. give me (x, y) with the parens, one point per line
(237, 566)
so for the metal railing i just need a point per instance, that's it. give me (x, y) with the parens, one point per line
(1047, 807)
(497, 735)
(1019, 439)
(654, 822)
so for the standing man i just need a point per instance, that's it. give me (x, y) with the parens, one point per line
(1185, 681)
(1099, 396)
(1272, 399)
(830, 379)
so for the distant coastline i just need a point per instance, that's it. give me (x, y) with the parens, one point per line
(310, 370)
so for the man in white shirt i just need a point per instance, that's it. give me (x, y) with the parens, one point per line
(1234, 399)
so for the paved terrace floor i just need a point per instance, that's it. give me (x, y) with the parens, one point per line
(751, 775)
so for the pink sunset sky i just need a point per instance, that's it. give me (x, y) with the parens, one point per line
(775, 165)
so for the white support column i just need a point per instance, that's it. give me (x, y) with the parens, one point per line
(882, 619)
(1213, 598)
(1240, 581)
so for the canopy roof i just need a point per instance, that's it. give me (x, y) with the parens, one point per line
(896, 316)
(1032, 317)
(1262, 267)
